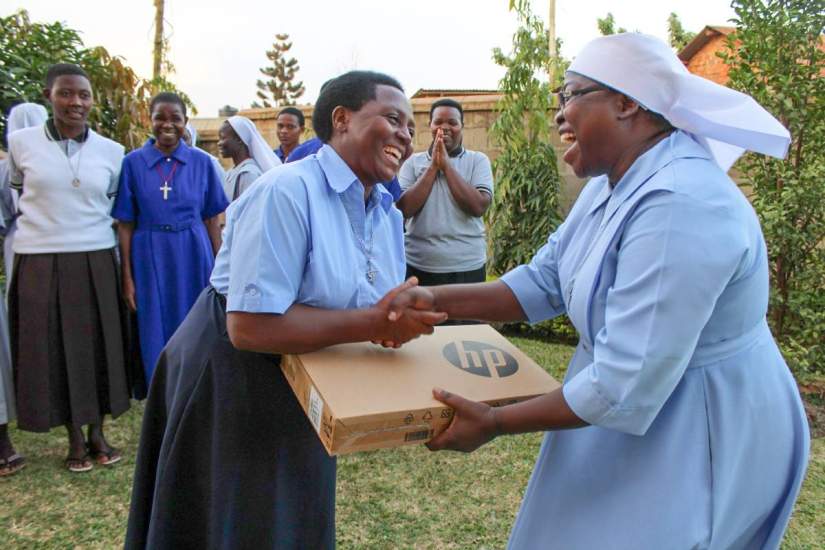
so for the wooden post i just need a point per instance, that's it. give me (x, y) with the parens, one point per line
(553, 69)
(158, 49)
(551, 28)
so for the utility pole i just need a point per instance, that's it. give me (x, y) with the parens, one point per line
(551, 28)
(551, 36)
(158, 49)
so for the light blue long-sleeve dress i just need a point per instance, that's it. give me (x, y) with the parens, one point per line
(698, 438)
(7, 404)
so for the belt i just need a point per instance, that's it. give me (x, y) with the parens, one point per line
(705, 354)
(168, 227)
(221, 297)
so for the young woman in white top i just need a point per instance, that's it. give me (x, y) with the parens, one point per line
(65, 313)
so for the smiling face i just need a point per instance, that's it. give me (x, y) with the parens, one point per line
(71, 98)
(588, 123)
(375, 140)
(168, 125)
(229, 144)
(448, 119)
(289, 130)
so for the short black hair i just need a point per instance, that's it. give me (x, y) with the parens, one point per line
(447, 102)
(351, 90)
(293, 111)
(659, 121)
(167, 97)
(63, 69)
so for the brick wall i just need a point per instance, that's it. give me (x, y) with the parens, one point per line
(706, 62)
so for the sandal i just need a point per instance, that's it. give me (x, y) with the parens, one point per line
(11, 464)
(106, 458)
(79, 465)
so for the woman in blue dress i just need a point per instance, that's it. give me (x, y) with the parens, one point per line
(313, 253)
(167, 209)
(678, 424)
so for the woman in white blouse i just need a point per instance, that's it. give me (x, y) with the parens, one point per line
(65, 313)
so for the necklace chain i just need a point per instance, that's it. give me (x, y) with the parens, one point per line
(166, 179)
(366, 247)
(75, 170)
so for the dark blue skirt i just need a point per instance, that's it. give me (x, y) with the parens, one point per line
(227, 458)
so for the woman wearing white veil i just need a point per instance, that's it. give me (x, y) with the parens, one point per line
(190, 136)
(24, 115)
(678, 424)
(239, 140)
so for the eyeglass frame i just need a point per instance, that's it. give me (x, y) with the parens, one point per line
(565, 96)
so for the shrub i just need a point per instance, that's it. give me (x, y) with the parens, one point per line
(777, 56)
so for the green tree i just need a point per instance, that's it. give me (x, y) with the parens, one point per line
(121, 97)
(279, 88)
(526, 206)
(26, 51)
(678, 36)
(777, 55)
(607, 25)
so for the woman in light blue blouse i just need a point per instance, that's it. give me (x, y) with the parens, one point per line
(312, 254)
(678, 424)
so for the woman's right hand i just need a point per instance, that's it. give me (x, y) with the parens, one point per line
(129, 293)
(439, 154)
(407, 314)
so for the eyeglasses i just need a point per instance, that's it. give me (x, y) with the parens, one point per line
(566, 96)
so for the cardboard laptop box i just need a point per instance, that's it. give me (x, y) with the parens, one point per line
(362, 396)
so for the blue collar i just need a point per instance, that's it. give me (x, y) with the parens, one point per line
(151, 156)
(677, 145)
(340, 177)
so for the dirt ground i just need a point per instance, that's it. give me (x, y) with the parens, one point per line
(813, 396)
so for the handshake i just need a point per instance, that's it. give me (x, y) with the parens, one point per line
(406, 312)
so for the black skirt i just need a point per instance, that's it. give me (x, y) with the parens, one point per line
(227, 458)
(68, 333)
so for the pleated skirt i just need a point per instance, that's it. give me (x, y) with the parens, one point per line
(68, 329)
(227, 457)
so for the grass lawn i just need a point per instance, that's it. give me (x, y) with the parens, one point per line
(401, 498)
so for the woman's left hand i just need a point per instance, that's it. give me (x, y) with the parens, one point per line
(473, 424)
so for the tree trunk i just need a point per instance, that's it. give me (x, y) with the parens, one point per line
(158, 49)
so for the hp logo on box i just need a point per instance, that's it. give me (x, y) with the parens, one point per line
(480, 359)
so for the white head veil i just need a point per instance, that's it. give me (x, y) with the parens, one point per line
(259, 149)
(723, 121)
(193, 134)
(23, 115)
(26, 115)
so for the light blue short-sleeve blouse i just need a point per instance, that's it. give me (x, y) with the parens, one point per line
(302, 233)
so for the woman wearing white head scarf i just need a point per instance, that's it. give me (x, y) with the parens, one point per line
(21, 116)
(24, 115)
(190, 136)
(239, 140)
(678, 424)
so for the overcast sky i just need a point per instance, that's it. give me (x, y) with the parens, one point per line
(217, 48)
